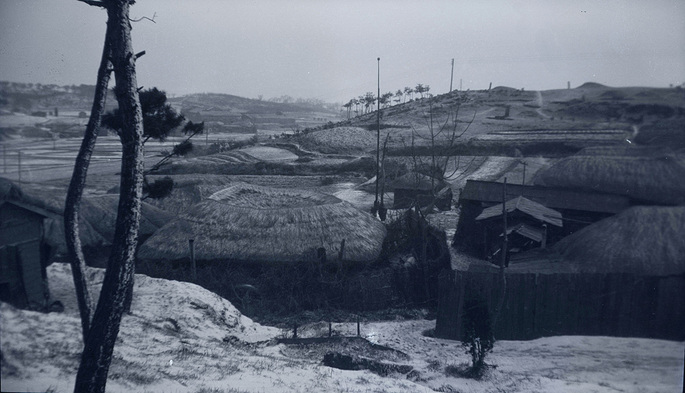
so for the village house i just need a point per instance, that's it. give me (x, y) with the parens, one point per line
(23, 255)
(528, 226)
(575, 210)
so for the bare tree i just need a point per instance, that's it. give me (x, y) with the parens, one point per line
(443, 132)
(104, 328)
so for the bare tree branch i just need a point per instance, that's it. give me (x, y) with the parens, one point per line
(143, 17)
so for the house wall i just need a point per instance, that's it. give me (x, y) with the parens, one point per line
(21, 234)
(541, 305)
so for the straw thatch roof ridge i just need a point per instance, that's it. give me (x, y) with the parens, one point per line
(641, 240)
(259, 228)
(254, 196)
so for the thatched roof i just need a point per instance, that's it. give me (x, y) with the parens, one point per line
(555, 198)
(653, 179)
(260, 224)
(97, 214)
(524, 205)
(640, 240)
(416, 181)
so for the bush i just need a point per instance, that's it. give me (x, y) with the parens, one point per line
(478, 337)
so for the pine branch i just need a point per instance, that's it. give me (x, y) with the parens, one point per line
(94, 3)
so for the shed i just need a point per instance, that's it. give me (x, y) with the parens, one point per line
(527, 220)
(23, 255)
(523, 206)
(578, 208)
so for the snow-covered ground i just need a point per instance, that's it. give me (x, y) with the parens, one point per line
(182, 338)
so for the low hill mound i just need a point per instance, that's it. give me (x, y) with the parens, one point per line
(591, 85)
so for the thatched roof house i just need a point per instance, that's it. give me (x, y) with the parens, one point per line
(251, 223)
(645, 178)
(96, 219)
(641, 240)
(23, 281)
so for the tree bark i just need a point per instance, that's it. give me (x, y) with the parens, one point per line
(104, 329)
(76, 186)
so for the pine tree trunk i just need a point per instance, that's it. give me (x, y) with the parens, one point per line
(76, 186)
(97, 354)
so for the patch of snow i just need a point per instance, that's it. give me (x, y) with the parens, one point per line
(183, 338)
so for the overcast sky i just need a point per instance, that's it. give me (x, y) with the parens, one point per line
(328, 49)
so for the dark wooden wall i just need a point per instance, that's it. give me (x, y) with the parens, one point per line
(539, 305)
(21, 259)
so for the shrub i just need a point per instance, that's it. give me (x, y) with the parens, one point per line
(478, 337)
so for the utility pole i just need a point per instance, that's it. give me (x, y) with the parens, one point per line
(505, 244)
(452, 75)
(378, 138)
(19, 164)
(524, 172)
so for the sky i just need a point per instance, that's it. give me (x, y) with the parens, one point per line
(328, 50)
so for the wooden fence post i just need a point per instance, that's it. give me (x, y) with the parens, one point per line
(193, 267)
(342, 250)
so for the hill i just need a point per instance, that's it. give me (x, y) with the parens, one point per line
(503, 119)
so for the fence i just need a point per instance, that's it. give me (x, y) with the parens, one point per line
(538, 305)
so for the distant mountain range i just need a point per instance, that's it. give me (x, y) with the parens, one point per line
(221, 112)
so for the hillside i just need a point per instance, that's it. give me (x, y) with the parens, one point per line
(566, 120)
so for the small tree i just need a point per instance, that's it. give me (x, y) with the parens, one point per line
(386, 99)
(478, 337)
(419, 89)
(408, 91)
(398, 96)
(348, 106)
(369, 100)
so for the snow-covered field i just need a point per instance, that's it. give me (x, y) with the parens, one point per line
(182, 338)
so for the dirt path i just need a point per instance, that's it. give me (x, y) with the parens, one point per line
(540, 104)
